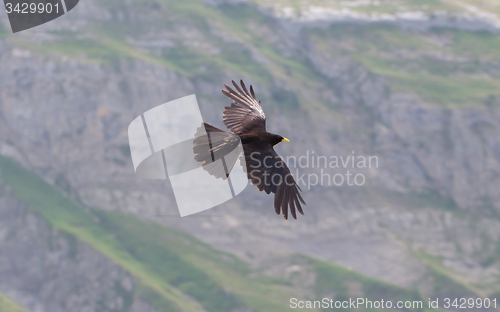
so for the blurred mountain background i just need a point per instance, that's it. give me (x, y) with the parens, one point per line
(415, 83)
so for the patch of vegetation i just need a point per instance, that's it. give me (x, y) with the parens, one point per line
(155, 299)
(491, 257)
(444, 285)
(334, 282)
(8, 305)
(480, 46)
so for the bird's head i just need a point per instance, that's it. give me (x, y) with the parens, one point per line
(275, 139)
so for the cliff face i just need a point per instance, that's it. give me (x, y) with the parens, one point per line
(44, 269)
(420, 102)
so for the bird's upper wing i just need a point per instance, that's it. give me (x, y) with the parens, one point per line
(267, 170)
(245, 112)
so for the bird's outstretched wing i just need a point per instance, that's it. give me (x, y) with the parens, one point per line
(245, 113)
(267, 170)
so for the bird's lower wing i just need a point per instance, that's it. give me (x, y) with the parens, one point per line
(270, 174)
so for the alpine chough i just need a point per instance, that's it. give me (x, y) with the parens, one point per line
(265, 168)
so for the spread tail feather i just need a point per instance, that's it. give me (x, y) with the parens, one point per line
(213, 149)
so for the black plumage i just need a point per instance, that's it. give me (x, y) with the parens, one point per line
(265, 168)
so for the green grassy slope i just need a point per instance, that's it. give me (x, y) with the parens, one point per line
(7, 305)
(177, 272)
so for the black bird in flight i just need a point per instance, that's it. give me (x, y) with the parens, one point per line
(265, 168)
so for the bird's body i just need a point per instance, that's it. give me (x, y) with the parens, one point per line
(260, 138)
(265, 168)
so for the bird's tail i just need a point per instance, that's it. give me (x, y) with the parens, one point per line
(214, 149)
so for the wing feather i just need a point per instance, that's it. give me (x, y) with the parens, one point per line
(268, 171)
(252, 92)
(245, 113)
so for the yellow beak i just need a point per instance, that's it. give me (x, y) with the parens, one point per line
(286, 140)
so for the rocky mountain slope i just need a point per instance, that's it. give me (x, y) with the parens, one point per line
(58, 256)
(423, 100)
